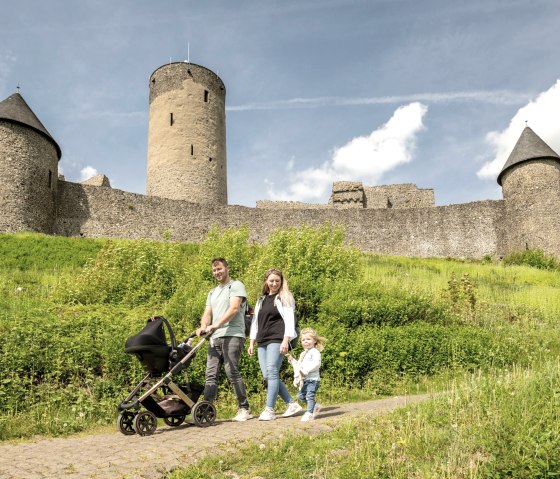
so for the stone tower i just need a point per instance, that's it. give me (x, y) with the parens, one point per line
(530, 181)
(28, 169)
(187, 135)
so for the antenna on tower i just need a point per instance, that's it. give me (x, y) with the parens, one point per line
(17, 88)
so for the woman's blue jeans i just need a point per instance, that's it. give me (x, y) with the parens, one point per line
(270, 361)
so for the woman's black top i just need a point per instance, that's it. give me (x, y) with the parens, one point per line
(271, 325)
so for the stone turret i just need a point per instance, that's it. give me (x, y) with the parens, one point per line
(530, 181)
(28, 169)
(187, 135)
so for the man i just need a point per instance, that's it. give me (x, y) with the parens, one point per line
(224, 316)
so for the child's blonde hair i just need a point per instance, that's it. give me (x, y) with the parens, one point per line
(319, 340)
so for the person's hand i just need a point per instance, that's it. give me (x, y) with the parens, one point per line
(250, 350)
(290, 358)
(284, 347)
(210, 328)
(200, 330)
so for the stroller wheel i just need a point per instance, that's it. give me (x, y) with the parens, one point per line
(126, 423)
(174, 421)
(145, 423)
(204, 413)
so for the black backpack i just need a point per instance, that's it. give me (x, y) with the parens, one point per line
(248, 316)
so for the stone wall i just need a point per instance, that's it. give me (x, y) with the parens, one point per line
(187, 135)
(28, 179)
(406, 195)
(532, 197)
(466, 230)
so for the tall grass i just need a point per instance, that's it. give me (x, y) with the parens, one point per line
(497, 285)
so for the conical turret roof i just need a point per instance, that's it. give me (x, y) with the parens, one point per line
(14, 108)
(530, 146)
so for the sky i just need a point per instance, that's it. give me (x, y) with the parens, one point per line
(430, 92)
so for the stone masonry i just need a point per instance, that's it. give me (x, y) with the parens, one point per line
(187, 189)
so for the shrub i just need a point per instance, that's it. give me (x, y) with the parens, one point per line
(417, 349)
(128, 272)
(352, 304)
(536, 258)
(311, 258)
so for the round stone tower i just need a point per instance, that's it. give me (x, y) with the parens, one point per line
(28, 169)
(187, 135)
(530, 181)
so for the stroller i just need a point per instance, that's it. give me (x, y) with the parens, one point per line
(156, 392)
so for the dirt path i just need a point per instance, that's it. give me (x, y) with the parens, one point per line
(113, 455)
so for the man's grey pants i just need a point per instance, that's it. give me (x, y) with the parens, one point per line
(227, 351)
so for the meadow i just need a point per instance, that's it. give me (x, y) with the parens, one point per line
(482, 335)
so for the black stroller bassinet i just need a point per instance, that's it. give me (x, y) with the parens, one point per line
(158, 394)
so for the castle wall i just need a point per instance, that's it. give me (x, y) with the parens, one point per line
(405, 195)
(28, 179)
(466, 230)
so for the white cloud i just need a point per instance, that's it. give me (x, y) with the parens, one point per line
(493, 97)
(364, 158)
(541, 114)
(87, 172)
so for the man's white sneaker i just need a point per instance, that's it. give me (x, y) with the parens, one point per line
(267, 415)
(293, 408)
(308, 416)
(242, 415)
(316, 410)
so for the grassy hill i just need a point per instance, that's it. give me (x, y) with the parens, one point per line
(484, 333)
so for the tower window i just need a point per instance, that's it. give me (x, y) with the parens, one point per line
(209, 159)
(50, 179)
(205, 96)
(389, 204)
(171, 119)
(192, 150)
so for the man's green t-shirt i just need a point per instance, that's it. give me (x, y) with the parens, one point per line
(218, 300)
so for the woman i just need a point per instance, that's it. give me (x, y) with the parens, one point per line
(272, 328)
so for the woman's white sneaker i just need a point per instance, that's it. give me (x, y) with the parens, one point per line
(267, 415)
(293, 408)
(308, 416)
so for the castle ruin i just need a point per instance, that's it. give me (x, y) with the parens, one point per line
(187, 188)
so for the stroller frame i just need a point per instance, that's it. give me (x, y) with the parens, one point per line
(144, 422)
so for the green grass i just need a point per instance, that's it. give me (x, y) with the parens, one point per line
(63, 368)
(499, 424)
(519, 287)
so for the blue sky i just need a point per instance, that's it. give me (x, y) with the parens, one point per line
(431, 92)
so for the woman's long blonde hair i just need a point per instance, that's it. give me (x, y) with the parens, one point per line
(284, 292)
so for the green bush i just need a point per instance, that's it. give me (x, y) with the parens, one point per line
(535, 258)
(313, 259)
(127, 272)
(417, 349)
(352, 304)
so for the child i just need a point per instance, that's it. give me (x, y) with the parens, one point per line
(306, 371)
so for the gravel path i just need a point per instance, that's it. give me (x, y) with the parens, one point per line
(113, 455)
